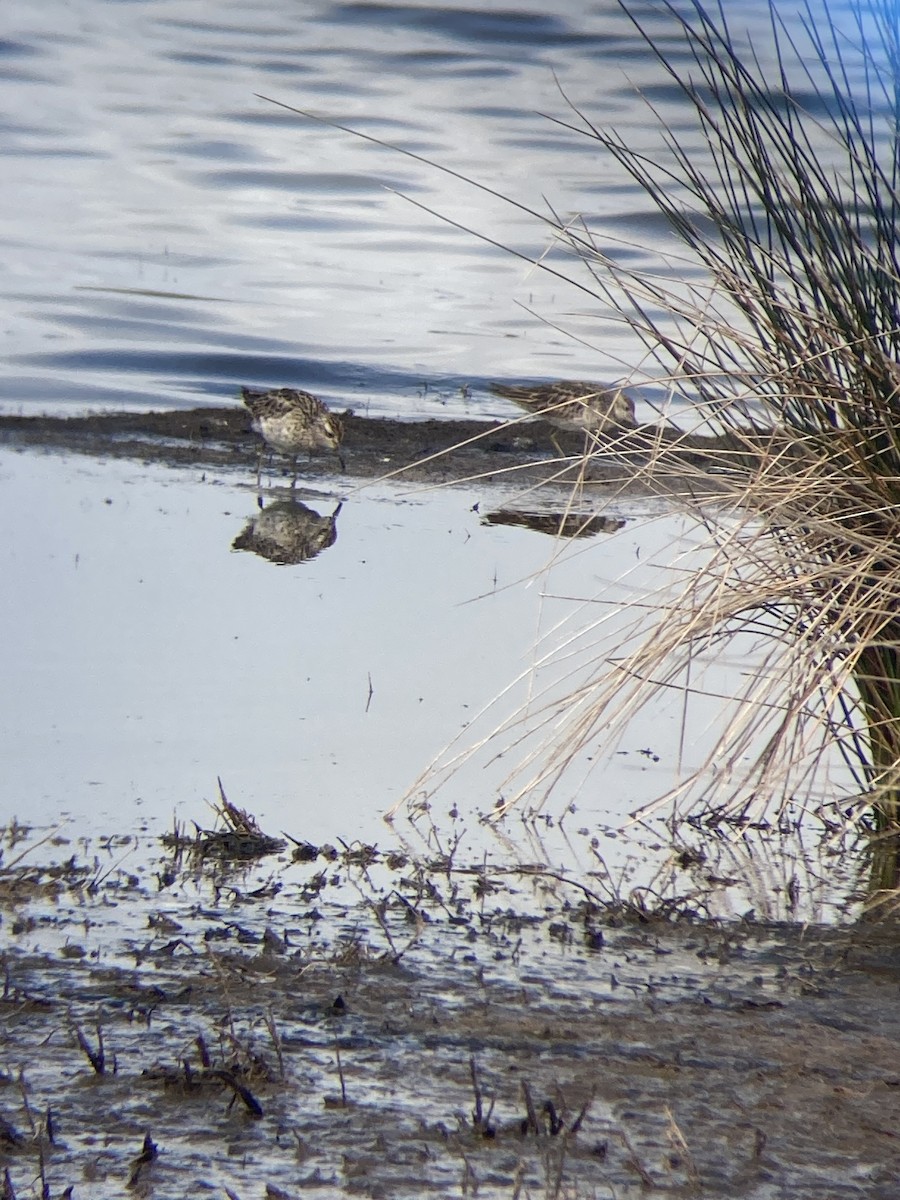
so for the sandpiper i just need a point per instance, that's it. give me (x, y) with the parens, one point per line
(573, 404)
(290, 421)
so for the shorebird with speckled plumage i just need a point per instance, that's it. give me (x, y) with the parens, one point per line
(573, 405)
(290, 421)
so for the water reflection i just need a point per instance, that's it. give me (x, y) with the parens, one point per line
(556, 524)
(287, 532)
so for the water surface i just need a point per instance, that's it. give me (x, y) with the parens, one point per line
(168, 235)
(156, 646)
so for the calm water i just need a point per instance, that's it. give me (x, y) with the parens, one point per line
(167, 235)
(148, 655)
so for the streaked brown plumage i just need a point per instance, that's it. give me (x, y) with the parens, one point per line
(573, 404)
(290, 421)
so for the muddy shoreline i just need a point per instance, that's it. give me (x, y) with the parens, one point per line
(423, 1042)
(220, 439)
(187, 1030)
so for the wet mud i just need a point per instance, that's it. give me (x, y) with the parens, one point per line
(444, 1034)
(220, 439)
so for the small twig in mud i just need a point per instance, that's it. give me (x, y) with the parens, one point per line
(302, 1151)
(413, 916)
(480, 1122)
(188, 1078)
(518, 1180)
(97, 1058)
(477, 1112)
(759, 1144)
(531, 1123)
(583, 1112)
(633, 1161)
(203, 1050)
(679, 1144)
(416, 917)
(42, 1172)
(554, 1166)
(32, 847)
(149, 1153)
(100, 877)
(276, 1041)
(251, 1103)
(254, 1063)
(469, 1179)
(555, 1122)
(340, 1071)
(378, 914)
(23, 1089)
(371, 691)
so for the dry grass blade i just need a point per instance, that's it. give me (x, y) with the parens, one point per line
(781, 324)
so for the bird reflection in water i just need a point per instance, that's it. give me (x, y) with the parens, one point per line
(557, 524)
(287, 531)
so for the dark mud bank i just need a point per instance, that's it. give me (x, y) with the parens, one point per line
(244, 1054)
(220, 439)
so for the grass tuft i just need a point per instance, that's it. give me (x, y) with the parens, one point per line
(779, 324)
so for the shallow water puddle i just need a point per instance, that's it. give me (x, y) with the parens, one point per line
(151, 656)
(161, 640)
(364, 1025)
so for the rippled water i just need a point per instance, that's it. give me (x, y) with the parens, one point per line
(168, 235)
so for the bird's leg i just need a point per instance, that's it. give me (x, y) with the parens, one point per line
(296, 469)
(259, 461)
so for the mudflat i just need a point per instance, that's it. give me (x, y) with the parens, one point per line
(433, 451)
(445, 1035)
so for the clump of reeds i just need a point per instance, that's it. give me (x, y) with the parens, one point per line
(791, 351)
(787, 343)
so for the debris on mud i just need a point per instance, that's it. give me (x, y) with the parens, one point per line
(241, 837)
(408, 1029)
